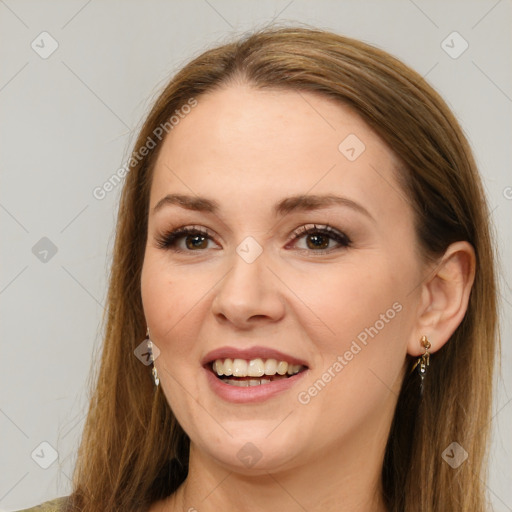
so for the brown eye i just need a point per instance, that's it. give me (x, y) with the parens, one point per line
(320, 239)
(187, 239)
(317, 241)
(196, 242)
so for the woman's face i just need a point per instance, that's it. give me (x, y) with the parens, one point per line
(254, 171)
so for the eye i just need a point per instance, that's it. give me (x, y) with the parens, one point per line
(320, 239)
(185, 239)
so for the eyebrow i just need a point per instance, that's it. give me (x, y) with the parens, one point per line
(283, 207)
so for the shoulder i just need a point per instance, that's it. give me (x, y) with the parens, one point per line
(56, 505)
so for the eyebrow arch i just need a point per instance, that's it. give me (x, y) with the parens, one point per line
(283, 207)
(317, 202)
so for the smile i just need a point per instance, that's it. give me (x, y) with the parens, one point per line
(253, 372)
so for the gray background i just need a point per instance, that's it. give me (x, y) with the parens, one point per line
(68, 121)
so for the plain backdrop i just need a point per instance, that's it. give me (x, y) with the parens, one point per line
(76, 79)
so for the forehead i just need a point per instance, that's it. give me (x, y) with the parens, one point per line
(243, 144)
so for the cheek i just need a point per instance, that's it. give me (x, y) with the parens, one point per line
(361, 342)
(172, 298)
(344, 301)
(360, 331)
(163, 300)
(168, 298)
(155, 300)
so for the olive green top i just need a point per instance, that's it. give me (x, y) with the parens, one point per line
(56, 505)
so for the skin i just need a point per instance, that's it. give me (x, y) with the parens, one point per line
(248, 149)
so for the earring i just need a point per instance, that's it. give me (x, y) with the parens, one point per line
(423, 361)
(154, 371)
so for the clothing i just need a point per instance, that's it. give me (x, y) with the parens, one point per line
(56, 505)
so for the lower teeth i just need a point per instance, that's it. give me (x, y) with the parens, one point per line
(243, 383)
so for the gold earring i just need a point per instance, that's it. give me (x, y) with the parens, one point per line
(424, 360)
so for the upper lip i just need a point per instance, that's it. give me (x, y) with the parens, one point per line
(250, 353)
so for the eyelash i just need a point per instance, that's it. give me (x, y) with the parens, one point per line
(168, 240)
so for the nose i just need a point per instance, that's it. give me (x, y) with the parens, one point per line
(248, 295)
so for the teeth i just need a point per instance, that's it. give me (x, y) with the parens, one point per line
(253, 368)
(293, 369)
(256, 368)
(246, 383)
(227, 367)
(239, 367)
(282, 367)
(239, 383)
(270, 367)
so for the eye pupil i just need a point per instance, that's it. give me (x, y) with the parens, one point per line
(318, 241)
(196, 238)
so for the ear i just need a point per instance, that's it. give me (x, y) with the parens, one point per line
(444, 297)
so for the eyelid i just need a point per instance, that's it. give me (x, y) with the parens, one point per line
(313, 227)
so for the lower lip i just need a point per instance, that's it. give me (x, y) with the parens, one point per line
(251, 394)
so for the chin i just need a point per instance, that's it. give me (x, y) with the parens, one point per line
(256, 454)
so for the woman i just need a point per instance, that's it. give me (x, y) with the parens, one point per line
(302, 306)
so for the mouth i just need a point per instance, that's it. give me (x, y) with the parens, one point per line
(253, 372)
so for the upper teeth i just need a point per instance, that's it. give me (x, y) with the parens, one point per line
(254, 367)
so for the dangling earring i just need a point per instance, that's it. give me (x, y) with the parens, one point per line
(151, 357)
(423, 361)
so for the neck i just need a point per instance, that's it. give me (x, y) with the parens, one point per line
(339, 479)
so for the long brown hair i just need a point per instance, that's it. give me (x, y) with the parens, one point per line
(133, 450)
